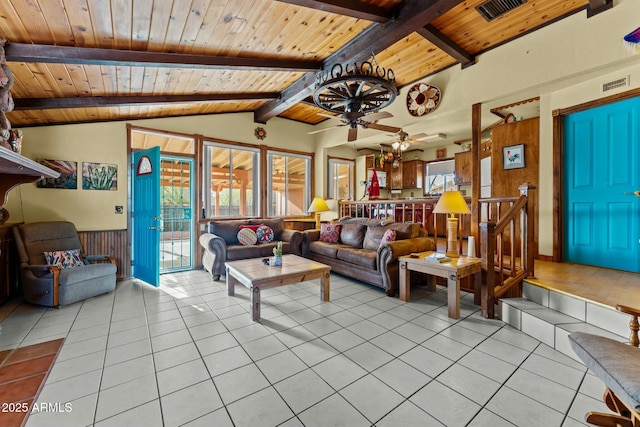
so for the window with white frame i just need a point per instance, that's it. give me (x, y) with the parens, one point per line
(289, 183)
(231, 178)
(341, 174)
(440, 177)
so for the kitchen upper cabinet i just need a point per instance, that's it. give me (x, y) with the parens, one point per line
(371, 163)
(394, 176)
(412, 174)
(462, 168)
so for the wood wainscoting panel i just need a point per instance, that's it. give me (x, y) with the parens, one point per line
(109, 242)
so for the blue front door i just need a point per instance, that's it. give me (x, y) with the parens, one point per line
(146, 221)
(601, 172)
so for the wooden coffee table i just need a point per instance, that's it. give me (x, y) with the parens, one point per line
(453, 271)
(255, 275)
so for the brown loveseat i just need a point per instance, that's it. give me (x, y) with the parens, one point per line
(359, 253)
(221, 244)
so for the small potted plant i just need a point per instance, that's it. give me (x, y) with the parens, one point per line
(277, 254)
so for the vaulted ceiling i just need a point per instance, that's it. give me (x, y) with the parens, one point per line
(80, 61)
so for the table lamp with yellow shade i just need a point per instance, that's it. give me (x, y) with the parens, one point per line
(318, 205)
(452, 202)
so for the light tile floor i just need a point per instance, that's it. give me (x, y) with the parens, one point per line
(187, 354)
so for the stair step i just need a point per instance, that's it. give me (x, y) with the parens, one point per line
(550, 316)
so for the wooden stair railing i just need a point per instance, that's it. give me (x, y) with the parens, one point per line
(506, 247)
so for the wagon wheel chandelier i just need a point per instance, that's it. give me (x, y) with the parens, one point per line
(354, 90)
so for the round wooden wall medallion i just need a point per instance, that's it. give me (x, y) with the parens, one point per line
(422, 99)
(260, 133)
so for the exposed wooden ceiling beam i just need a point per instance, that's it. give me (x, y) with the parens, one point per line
(114, 101)
(443, 42)
(22, 52)
(352, 8)
(413, 15)
(598, 6)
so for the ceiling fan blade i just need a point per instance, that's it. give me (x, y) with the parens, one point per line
(383, 127)
(353, 134)
(377, 116)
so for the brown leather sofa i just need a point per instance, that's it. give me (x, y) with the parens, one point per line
(359, 254)
(220, 243)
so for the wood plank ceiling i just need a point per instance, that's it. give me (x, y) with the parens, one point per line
(95, 60)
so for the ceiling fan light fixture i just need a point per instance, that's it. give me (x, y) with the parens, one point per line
(405, 145)
(395, 145)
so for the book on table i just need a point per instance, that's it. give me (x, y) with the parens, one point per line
(437, 257)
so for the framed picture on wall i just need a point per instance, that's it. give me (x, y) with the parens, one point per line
(513, 157)
(68, 178)
(441, 153)
(99, 176)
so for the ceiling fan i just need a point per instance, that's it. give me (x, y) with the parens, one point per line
(403, 140)
(353, 119)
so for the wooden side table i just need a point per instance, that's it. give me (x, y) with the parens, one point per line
(453, 271)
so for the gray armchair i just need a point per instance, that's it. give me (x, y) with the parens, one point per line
(617, 365)
(51, 285)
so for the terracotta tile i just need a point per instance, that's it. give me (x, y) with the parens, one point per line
(20, 390)
(3, 355)
(33, 351)
(16, 418)
(26, 369)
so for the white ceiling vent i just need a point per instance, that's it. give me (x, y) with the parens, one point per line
(615, 84)
(493, 9)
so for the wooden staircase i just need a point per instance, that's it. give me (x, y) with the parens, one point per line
(507, 247)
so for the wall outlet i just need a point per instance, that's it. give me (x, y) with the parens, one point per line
(119, 210)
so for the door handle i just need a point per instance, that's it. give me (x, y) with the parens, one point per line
(155, 227)
(635, 193)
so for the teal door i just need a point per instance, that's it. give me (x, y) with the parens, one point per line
(601, 216)
(146, 221)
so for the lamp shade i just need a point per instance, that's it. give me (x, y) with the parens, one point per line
(451, 202)
(318, 205)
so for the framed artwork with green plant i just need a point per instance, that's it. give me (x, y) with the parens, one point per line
(99, 176)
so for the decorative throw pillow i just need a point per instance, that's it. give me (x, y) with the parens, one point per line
(388, 236)
(247, 237)
(264, 234)
(64, 259)
(330, 233)
(253, 227)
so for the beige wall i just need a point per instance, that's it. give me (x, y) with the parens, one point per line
(88, 209)
(107, 143)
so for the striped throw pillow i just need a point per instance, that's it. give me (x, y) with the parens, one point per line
(247, 237)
